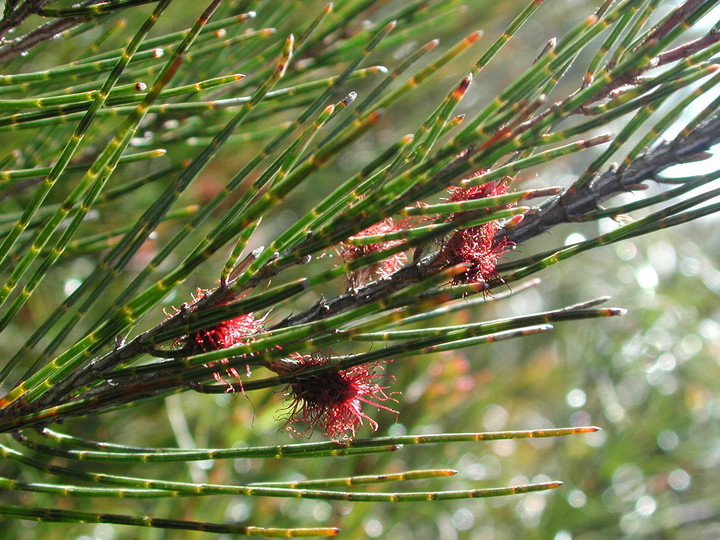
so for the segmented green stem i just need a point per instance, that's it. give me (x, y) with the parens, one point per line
(56, 515)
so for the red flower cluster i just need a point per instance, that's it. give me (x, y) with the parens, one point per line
(227, 333)
(331, 400)
(476, 245)
(350, 252)
(236, 331)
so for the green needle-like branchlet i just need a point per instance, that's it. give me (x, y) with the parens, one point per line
(57, 515)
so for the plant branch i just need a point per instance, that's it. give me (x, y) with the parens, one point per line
(573, 204)
(686, 49)
(12, 18)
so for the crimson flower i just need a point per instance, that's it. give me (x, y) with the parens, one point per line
(235, 331)
(476, 245)
(349, 252)
(331, 400)
(227, 333)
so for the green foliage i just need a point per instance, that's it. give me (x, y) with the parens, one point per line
(250, 163)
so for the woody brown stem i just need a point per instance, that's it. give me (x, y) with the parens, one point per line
(573, 204)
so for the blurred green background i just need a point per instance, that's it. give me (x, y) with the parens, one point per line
(650, 380)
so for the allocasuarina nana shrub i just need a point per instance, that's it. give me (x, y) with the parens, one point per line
(346, 186)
